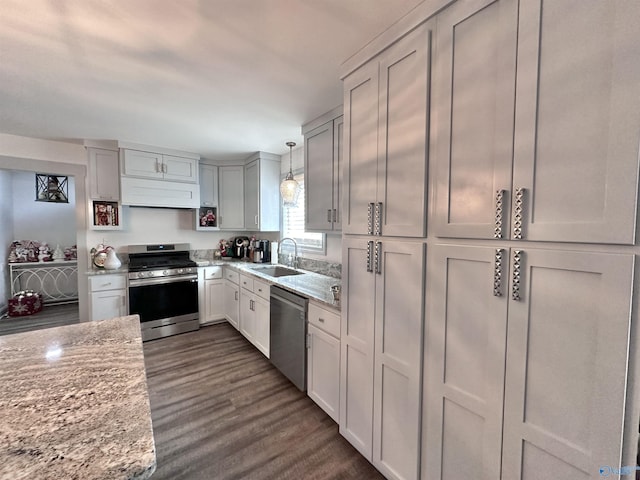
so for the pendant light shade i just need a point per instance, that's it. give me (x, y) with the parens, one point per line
(289, 188)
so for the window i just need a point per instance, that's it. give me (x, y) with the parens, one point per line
(293, 224)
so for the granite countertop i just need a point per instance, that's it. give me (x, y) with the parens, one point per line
(103, 271)
(308, 284)
(74, 403)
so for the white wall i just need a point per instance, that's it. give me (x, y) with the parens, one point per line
(162, 225)
(53, 223)
(6, 234)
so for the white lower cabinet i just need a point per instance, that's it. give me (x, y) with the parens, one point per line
(107, 296)
(525, 364)
(323, 359)
(381, 348)
(214, 301)
(254, 312)
(232, 297)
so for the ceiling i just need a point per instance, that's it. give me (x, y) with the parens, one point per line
(221, 78)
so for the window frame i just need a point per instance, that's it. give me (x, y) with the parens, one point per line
(302, 247)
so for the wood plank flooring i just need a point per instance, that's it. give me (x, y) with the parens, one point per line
(221, 411)
(49, 316)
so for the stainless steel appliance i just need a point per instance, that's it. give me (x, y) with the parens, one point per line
(288, 337)
(163, 289)
(240, 247)
(265, 248)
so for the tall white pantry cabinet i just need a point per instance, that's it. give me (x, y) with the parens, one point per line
(517, 301)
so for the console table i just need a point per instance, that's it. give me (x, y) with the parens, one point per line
(56, 281)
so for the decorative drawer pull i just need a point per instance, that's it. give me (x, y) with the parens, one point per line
(335, 215)
(378, 258)
(329, 215)
(321, 320)
(518, 213)
(497, 231)
(515, 281)
(378, 219)
(369, 249)
(370, 219)
(497, 273)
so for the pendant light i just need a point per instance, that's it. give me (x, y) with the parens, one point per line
(289, 188)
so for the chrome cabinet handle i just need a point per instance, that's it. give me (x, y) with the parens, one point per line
(321, 320)
(497, 273)
(378, 219)
(370, 219)
(329, 215)
(335, 215)
(515, 281)
(378, 258)
(256, 219)
(369, 249)
(518, 213)
(236, 292)
(164, 168)
(497, 231)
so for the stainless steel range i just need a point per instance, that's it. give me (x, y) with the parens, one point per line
(163, 289)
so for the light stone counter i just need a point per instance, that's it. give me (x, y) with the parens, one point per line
(309, 284)
(74, 403)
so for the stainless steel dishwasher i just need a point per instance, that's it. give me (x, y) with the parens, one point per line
(288, 337)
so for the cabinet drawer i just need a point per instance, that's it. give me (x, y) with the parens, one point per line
(246, 282)
(261, 289)
(211, 273)
(324, 319)
(98, 283)
(232, 275)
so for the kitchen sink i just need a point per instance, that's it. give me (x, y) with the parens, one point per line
(276, 271)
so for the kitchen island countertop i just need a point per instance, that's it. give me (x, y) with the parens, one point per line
(74, 403)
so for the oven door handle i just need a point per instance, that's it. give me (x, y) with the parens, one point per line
(141, 282)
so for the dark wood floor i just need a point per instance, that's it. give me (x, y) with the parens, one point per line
(49, 316)
(220, 410)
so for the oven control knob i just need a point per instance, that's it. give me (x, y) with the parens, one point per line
(181, 270)
(165, 273)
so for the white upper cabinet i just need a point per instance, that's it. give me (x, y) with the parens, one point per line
(208, 185)
(262, 193)
(549, 153)
(385, 125)
(231, 213)
(141, 164)
(323, 174)
(104, 176)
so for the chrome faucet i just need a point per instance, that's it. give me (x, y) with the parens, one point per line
(294, 262)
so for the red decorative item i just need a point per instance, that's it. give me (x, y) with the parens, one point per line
(25, 303)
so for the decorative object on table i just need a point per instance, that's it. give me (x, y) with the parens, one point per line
(44, 253)
(52, 188)
(25, 302)
(112, 261)
(58, 254)
(289, 188)
(24, 251)
(224, 248)
(71, 253)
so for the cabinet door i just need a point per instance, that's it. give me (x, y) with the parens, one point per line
(318, 178)
(356, 348)
(180, 169)
(472, 117)
(108, 304)
(214, 305)
(231, 213)
(577, 132)
(338, 166)
(104, 176)
(360, 149)
(252, 196)
(208, 185)
(567, 359)
(232, 303)
(323, 371)
(402, 135)
(399, 318)
(465, 348)
(262, 325)
(247, 315)
(142, 164)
